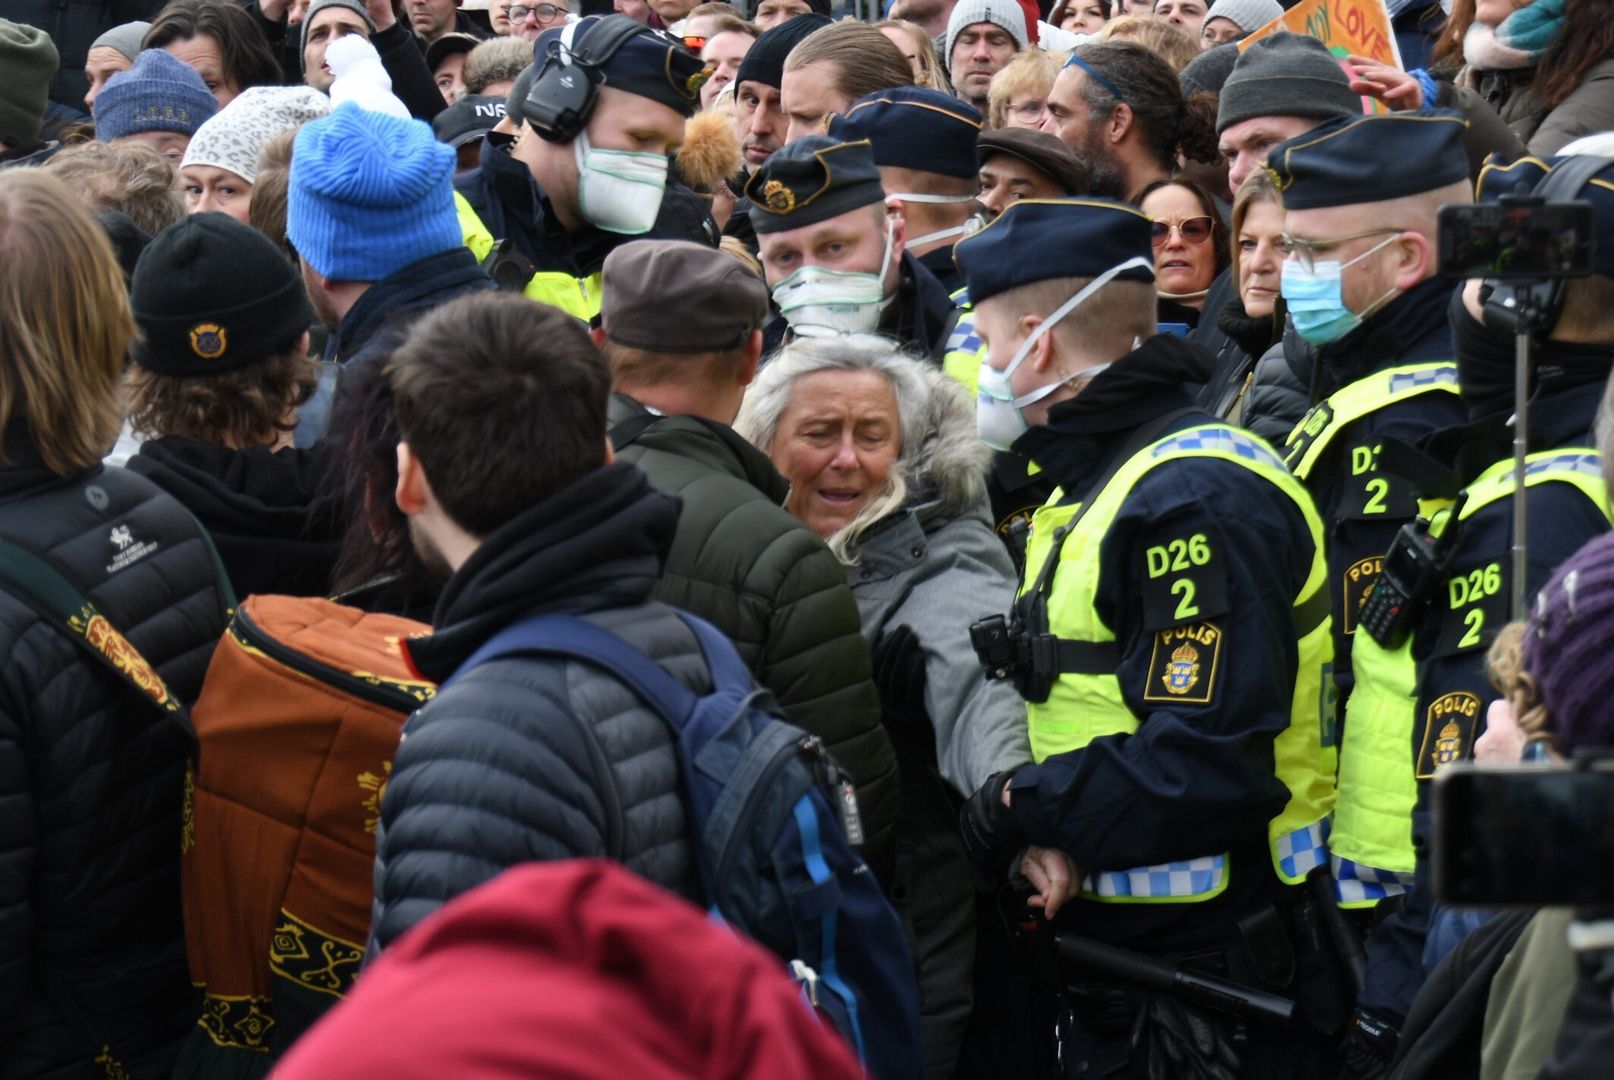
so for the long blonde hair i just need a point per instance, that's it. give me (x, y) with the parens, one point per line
(65, 324)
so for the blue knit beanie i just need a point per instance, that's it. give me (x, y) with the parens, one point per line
(369, 195)
(160, 93)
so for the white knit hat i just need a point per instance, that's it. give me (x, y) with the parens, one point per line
(1004, 13)
(361, 78)
(1247, 15)
(233, 137)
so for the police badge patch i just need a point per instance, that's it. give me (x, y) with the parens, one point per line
(1184, 665)
(209, 340)
(1448, 732)
(1356, 585)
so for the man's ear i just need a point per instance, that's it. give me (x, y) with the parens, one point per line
(413, 494)
(1122, 121)
(751, 360)
(1041, 357)
(1414, 259)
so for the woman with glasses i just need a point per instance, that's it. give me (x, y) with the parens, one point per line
(1190, 248)
(1018, 94)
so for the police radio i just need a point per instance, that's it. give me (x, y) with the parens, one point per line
(1413, 569)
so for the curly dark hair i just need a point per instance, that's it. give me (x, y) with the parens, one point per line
(1150, 88)
(248, 407)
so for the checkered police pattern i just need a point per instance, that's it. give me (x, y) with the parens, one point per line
(1193, 877)
(1223, 439)
(1355, 882)
(1577, 461)
(964, 338)
(1402, 381)
(1303, 850)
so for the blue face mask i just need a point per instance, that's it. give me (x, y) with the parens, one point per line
(1316, 300)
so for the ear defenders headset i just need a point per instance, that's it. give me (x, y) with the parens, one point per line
(567, 87)
(1506, 303)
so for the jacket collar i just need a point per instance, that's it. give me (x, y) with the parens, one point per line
(597, 543)
(707, 443)
(416, 285)
(1410, 329)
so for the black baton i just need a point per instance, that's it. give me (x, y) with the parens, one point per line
(1204, 990)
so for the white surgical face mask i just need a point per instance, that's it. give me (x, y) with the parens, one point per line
(999, 415)
(816, 301)
(619, 190)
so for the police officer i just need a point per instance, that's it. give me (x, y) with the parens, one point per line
(1360, 198)
(1171, 641)
(833, 251)
(924, 144)
(599, 110)
(1427, 683)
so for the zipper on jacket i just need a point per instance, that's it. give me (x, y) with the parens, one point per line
(387, 693)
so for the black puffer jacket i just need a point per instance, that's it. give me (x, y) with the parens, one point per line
(531, 758)
(750, 568)
(91, 777)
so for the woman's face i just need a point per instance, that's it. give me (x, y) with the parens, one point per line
(1083, 17)
(1260, 258)
(207, 187)
(1184, 257)
(1027, 109)
(836, 443)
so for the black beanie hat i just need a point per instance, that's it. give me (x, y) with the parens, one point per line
(212, 295)
(765, 60)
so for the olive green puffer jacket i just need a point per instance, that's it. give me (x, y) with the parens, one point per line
(746, 565)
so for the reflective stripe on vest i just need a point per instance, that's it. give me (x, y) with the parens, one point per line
(964, 353)
(1372, 837)
(1087, 705)
(579, 297)
(1334, 413)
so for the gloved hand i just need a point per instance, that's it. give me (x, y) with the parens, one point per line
(899, 673)
(1184, 1043)
(1368, 1047)
(992, 834)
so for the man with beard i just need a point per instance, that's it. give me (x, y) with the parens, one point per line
(1120, 107)
(982, 37)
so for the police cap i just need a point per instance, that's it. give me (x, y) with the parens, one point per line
(1498, 180)
(913, 127)
(1368, 159)
(1037, 239)
(812, 180)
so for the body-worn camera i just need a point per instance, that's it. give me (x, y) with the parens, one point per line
(1414, 567)
(1008, 651)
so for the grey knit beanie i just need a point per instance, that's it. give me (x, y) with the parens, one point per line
(1207, 73)
(355, 6)
(125, 39)
(1247, 15)
(1004, 13)
(1286, 75)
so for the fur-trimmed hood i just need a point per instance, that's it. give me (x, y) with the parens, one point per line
(949, 467)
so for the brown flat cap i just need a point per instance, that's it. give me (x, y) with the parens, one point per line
(674, 296)
(1041, 151)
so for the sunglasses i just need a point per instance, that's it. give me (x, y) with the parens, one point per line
(519, 12)
(694, 44)
(1194, 230)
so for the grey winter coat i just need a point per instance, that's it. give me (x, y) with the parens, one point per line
(1588, 109)
(937, 570)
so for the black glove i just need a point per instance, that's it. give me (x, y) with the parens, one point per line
(899, 673)
(1184, 1043)
(1368, 1047)
(992, 834)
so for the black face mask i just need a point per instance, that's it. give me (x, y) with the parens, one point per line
(1485, 359)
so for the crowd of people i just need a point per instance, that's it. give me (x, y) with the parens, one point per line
(1106, 493)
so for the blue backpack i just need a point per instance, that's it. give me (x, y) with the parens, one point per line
(776, 861)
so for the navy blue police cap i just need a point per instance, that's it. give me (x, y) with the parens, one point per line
(913, 127)
(652, 64)
(1038, 239)
(812, 180)
(1523, 176)
(1366, 159)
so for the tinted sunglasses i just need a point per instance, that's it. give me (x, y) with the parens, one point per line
(1194, 230)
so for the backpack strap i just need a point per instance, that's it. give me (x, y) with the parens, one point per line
(58, 601)
(569, 636)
